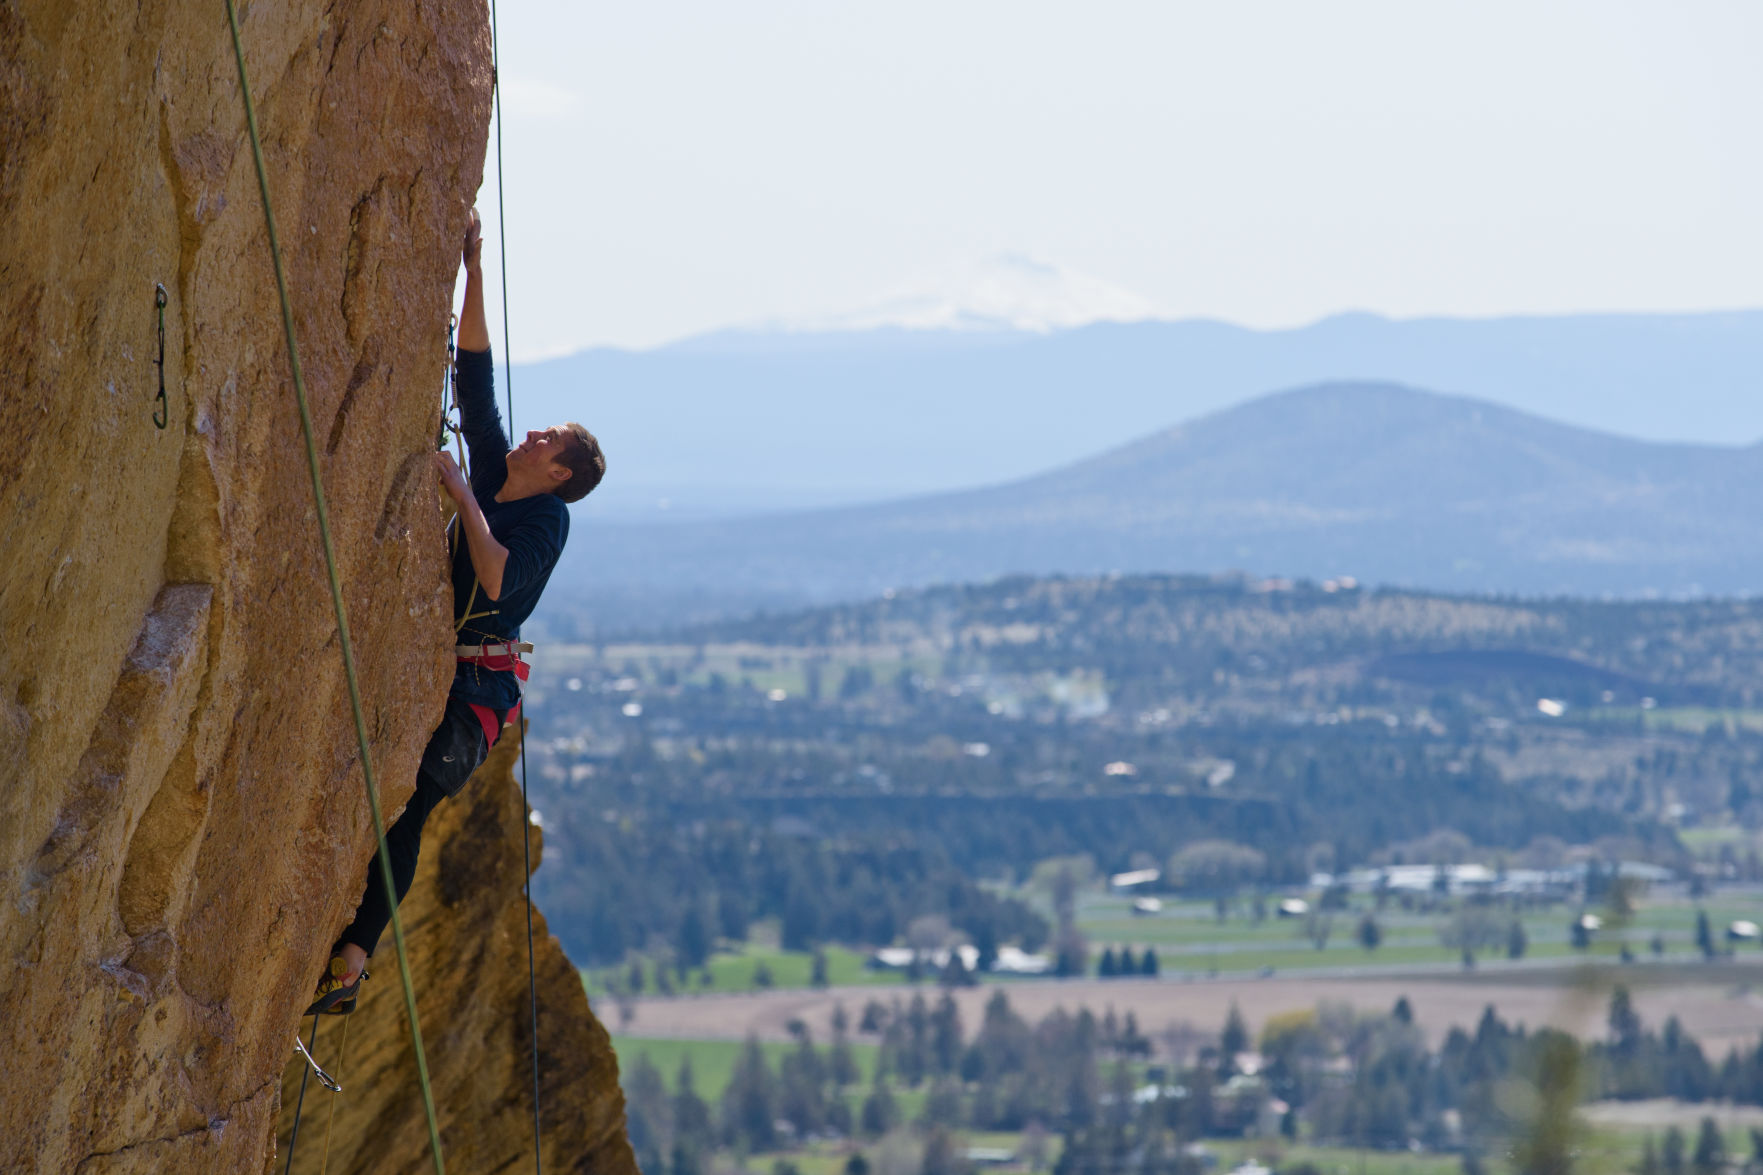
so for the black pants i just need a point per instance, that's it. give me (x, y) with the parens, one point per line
(453, 753)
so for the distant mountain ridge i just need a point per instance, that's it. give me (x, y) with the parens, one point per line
(1009, 292)
(739, 422)
(1388, 484)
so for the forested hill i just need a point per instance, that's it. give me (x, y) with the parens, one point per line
(1208, 639)
(1385, 483)
(972, 732)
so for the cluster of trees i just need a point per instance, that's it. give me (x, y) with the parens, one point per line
(1331, 1074)
(1399, 1089)
(645, 885)
(1122, 963)
(1009, 1075)
(1709, 1157)
(1639, 1062)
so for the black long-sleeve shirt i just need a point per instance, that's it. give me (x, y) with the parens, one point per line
(533, 529)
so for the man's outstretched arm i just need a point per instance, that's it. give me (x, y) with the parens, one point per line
(474, 330)
(475, 384)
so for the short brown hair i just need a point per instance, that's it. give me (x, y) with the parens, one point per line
(586, 464)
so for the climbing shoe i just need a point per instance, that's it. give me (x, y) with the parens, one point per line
(348, 1005)
(336, 998)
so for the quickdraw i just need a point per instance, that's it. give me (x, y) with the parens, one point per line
(448, 404)
(161, 412)
(324, 1079)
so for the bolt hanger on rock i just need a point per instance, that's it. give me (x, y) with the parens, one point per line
(161, 414)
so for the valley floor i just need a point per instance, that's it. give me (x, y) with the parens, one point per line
(1720, 1004)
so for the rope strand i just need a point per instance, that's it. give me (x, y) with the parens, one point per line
(330, 562)
(300, 1102)
(324, 1162)
(532, 982)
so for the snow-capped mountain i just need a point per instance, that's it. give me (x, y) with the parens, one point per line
(1010, 292)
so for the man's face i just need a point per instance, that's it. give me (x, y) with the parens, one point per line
(540, 452)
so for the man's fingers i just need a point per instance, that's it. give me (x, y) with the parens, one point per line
(474, 228)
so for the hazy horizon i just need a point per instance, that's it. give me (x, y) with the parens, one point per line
(682, 169)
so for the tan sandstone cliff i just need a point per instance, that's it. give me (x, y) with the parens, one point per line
(467, 926)
(182, 823)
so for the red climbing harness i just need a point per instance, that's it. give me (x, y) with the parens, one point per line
(498, 658)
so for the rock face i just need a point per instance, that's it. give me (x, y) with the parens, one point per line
(182, 822)
(466, 923)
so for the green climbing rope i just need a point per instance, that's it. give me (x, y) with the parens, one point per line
(526, 807)
(330, 561)
(526, 801)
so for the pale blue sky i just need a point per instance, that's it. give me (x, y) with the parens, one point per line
(679, 167)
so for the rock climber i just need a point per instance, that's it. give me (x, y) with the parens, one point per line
(508, 531)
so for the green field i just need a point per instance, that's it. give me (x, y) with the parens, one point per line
(1693, 719)
(736, 971)
(713, 1066)
(713, 1061)
(1190, 941)
(1188, 936)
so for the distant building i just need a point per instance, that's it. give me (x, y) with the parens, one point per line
(1134, 879)
(1016, 961)
(1010, 960)
(990, 1156)
(1459, 880)
(1146, 907)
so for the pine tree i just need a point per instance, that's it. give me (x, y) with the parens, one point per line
(1625, 1022)
(1235, 1037)
(1370, 934)
(819, 976)
(648, 1114)
(693, 1129)
(842, 1065)
(945, 1036)
(879, 1114)
(1710, 1156)
(1107, 968)
(1671, 1156)
(694, 937)
(985, 942)
(1149, 964)
(749, 1105)
(1704, 935)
